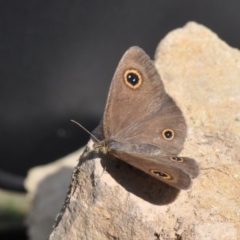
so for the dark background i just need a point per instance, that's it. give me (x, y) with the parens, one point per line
(58, 57)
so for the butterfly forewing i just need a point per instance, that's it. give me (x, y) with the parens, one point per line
(142, 124)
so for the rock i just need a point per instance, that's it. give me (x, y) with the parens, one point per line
(47, 188)
(112, 200)
(202, 73)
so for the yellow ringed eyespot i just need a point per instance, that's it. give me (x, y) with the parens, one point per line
(160, 174)
(132, 78)
(177, 159)
(168, 134)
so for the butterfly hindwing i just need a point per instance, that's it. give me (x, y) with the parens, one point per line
(175, 171)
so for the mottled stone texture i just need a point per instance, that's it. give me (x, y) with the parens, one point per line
(111, 200)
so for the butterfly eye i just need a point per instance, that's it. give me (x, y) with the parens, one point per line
(160, 174)
(177, 159)
(132, 78)
(168, 134)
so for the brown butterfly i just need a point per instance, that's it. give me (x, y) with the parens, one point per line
(142, 125)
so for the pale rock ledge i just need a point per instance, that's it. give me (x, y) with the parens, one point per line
(202, 73)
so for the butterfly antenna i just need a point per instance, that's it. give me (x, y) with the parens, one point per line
(85, 130)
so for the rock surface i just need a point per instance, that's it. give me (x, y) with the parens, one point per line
(202, 74)
(47, 188)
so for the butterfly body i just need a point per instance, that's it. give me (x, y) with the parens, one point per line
(142, 125)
